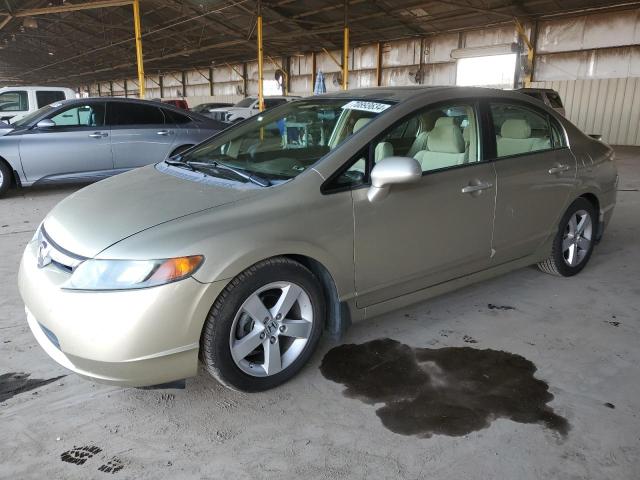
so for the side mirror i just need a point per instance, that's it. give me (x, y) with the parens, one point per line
(391, 171)
(46, 123)
(596, 136)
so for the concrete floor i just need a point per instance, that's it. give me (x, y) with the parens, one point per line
(581, 333)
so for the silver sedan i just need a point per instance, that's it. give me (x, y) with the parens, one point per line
(323, 211)
(93, 138)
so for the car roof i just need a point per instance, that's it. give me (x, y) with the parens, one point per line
(406, 93)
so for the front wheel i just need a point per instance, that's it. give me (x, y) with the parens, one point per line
(264, 326)
(5, 178)
(573, 243)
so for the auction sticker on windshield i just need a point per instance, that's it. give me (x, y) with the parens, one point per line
(373, 107)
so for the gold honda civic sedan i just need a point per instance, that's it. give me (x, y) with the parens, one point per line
(244, 249)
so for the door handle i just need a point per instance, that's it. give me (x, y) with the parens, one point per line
(476, 188)
(164, 133)
(98, 135)
(558, 169)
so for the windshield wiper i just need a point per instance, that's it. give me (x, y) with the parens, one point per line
(176, 161)
(253, 178)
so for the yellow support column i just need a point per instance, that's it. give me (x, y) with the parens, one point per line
(345, 48)
(260, 59)
(136, 25)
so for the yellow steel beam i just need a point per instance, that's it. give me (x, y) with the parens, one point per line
(345, 48)
(260, 59)
(530, 51)
(71, 7)
(345, 60)
(140, 63)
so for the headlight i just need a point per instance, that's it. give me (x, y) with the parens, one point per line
(130, 274)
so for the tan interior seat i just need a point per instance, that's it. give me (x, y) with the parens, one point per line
(445, 147)
(361, 122)
(515, 138)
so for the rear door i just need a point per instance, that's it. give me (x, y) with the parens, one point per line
(140, 134)
(79, 145)
(536, 174)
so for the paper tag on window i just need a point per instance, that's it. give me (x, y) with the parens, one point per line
(373, 107)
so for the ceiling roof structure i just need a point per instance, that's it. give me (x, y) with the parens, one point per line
(84, 45)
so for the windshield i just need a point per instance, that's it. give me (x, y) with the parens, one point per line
(282, 143)
(28, 118)
(247, 102)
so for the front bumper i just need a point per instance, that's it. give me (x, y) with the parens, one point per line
(132, 338)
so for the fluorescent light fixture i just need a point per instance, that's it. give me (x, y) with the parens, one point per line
(471, 52)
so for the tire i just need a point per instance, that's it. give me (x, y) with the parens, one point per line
(6, 176)
(257, 337)
(574, 241)
(180, 149)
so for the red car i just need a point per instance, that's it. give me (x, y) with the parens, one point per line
(178, 103)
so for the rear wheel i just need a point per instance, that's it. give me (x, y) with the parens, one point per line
(264, 326)
(573, 244)
(5, 177)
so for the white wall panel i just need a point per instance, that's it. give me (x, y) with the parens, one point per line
(609, 107)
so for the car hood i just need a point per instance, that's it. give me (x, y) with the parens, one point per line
(100, 215)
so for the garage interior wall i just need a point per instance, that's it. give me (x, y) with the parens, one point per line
(592, 70)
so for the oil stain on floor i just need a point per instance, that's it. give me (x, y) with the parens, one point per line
(445, 391)
(15, 383)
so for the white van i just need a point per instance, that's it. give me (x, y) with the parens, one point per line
(16, 102)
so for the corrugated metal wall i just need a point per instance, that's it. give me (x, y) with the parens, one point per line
(608, 107)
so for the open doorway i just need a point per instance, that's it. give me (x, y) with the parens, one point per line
(495, 71)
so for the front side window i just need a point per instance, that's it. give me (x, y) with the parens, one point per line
(91, 115)
(45, 97)
(122, 113)
(519, 129)
(16, 101)
(437, 137)
(280, 144)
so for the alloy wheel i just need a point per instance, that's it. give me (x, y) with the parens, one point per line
(271, 329)
(576, 241)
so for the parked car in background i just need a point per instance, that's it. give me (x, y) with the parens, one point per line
(331, 208)
(16, 102)
(247, 108)
(548, 96)
(5, 128)
(180, 103)
(92, 138)
(205, 108)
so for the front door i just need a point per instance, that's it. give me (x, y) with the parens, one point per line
(140, 134)
(77, 147)
(433, 231)
(536, 175)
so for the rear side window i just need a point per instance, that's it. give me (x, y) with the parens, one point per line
(134, 114)
(16, 101)
(520, 129)
(45, 97)
(175, 117)
(554, 99)
(273, 102)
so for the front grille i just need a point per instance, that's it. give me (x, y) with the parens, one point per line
(59, 257)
